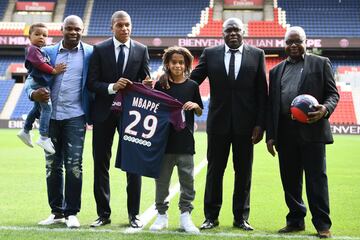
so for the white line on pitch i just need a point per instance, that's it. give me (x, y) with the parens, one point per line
(208, 234)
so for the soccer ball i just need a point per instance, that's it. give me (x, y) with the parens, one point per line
(302, 105)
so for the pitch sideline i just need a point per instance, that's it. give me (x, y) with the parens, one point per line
(150, 213)
(208, 234)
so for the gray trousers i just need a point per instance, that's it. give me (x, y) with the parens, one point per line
(185, 166)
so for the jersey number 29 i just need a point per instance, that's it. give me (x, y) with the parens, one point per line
(149, 124)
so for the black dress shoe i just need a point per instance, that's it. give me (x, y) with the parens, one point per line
(244, 225)
(209, 224)
(134, 222)
(290, 229)
(101, 221)
(324, 234)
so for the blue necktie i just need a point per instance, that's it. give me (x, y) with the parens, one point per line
(120, 60)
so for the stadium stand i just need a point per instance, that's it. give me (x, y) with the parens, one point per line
(5, 86)
(3, 6)
(23, 106)
(155, 64)
(271, 62)
(324, 17)
(344, 62)
(75, 7)
(37, 1)
(211, 28)
(203, 117)
(5, 61)
(345, 111)
(266, 28)
(12, 28)
(160, 18)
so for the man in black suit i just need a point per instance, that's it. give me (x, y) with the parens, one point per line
(301, 147)
(238, 93)
(115, 63)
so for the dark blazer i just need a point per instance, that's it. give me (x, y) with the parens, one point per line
(317, 80)
(102, 72)
(240, 103)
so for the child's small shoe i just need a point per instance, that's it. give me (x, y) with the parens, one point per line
(46, 144)
(187, 224)
(25, 137)
(160, 223)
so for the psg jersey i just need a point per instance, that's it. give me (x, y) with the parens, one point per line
(146, 115)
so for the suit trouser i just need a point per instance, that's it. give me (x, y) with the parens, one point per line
(296, 157)
(103, 135)
(217, 154)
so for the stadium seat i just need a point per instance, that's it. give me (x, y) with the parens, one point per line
(23, 106)
(344, 112)
(331, 18)
(161, 21)
(5, 86)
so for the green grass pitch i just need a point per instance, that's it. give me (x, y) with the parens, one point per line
(23, 199)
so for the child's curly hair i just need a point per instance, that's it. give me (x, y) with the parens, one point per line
(188, 57)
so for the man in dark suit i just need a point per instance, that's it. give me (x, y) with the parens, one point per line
(236, 117)
(115, 63)
(301, 147)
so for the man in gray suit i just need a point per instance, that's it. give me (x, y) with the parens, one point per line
(238, 94)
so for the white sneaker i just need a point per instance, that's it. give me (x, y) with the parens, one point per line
(46, 144)
(161, 222)
(72, 222)
(52, 219)
(25, 137)
(187, 225)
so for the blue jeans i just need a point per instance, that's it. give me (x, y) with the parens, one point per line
(68, 138)
(41, 110)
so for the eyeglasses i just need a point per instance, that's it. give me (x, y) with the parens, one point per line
(296, 42)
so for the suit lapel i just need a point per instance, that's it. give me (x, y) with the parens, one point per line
(220, 60)
(53, 51)
(130, 58)
(278, 76)
(244, 55)
(304, 71)
(86, 61)
(111, 55)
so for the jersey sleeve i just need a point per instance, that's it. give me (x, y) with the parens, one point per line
(46, 68)
(117, 103)
(38, 61)
(177, 119)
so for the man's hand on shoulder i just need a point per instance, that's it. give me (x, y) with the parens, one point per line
(148, 82)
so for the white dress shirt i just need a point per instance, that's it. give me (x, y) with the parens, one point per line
(117, 50)
(238, 58)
